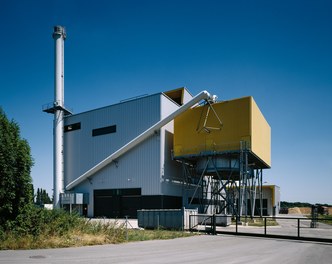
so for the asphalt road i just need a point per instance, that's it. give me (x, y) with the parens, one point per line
(196, 249)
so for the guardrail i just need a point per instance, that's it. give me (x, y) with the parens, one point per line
(298, 228)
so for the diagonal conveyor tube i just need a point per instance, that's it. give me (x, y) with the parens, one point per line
(204, 95)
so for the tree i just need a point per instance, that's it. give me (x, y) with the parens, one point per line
(42, 197)
(45, 197)
(15, 166)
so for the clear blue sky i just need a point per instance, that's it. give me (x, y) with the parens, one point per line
(280, 52)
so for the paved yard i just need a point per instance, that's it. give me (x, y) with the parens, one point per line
(197, 249)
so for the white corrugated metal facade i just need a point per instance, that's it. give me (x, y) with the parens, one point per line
(148, 167)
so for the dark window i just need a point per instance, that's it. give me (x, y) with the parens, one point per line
(103, 130)
(118, 192)
(72, 127)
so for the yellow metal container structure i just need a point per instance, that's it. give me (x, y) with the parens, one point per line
(198, 131)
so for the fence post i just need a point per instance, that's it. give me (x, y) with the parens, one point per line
(298, 227)
(190, 222)
(214, 224)
(158, 221)
(183, 217)
(264, 225)
(236, 224)
(126, 227)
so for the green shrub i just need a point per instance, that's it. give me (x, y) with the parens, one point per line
(41, 228)
(35, 221)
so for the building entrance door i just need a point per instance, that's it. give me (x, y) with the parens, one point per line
(117, 203)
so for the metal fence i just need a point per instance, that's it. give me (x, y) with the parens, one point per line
(300, 228)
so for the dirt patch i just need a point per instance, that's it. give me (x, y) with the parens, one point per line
(305, 210)
(294, 210)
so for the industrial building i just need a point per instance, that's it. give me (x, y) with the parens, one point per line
(144, 177)
(162, 151)
(271, 199)
(151, 175)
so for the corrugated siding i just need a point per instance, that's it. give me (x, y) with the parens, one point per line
(139, 168)
(235, 116)
(171, 170)
(242, 121)
(82, 151)
(261, 134)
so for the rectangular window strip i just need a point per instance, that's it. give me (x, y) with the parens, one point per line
(72, 127)
(103, 130)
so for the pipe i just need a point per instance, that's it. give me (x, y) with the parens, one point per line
(204, 95)
(59, 35)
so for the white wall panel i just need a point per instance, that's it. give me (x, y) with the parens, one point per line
(138, 168)
(171, 171)
(148, 166)
(83, 151)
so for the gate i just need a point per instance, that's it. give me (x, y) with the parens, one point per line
(298, 228)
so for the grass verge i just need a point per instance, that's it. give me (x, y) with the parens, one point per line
(141, 235)
(326, 219)
(58, 229)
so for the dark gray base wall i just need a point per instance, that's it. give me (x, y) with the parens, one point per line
(119, 203)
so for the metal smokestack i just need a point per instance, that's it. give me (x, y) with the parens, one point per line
(59, 36)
